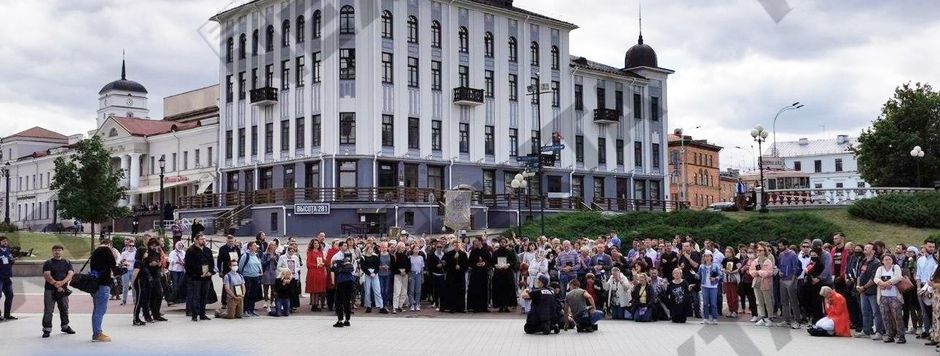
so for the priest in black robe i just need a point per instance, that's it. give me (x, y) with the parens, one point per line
(454, 293)
(481, 261)
(504, 286)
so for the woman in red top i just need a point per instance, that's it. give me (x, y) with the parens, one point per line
(334, 249)
(316, 274)
(836, 322)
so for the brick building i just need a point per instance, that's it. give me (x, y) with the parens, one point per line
(701, 171)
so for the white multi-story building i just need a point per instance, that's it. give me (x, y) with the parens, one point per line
(350, 101)
(829, 163)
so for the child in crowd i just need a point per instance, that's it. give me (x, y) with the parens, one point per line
(283, 289)
(524, 305)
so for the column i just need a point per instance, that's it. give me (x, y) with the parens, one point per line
(125, 167)
(134, 177)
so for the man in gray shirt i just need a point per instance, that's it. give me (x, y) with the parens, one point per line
(581, 307)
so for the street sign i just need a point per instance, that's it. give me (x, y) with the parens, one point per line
(773, 163)
(527, 158)
(557, 147)
(312, 209)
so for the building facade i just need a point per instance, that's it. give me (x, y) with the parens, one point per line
(333, 101)
(697, 163)
(828, 163)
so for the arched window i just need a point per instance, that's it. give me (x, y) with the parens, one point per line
(229, 47)
(412, 29)
(435, 34)
(301, 22)
(242, 43)
(269, 39)
(464, 39)
(347, 20)
(535, 53)
(556, 58)
(513, 50)
(387, 24)
(254, 43)
(488, 44)
(113, 132)
(317, 19)
(285, 33)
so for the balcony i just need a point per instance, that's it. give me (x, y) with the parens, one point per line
(606, 116)
(263, 96)
(468, 96)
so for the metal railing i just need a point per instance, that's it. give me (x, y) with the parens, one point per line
(830, 197)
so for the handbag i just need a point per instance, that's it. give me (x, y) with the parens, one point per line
(905, 285)
(84, 282)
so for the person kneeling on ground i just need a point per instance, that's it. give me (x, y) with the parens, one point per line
(836, 322)
(581, 307)
(234, 290)
(545, 312)
(282, 290)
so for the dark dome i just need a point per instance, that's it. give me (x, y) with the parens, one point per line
(640, 55)
(125, 85)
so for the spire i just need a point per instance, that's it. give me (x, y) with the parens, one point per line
(640, 11)
(123, 71)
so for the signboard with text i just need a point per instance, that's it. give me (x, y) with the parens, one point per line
(312, 209)
(772, 163)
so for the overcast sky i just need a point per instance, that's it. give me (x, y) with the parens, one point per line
(735, 65)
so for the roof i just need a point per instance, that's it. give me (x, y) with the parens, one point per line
(40, 133)
(812, 147)
(145, 127)
(640, 55)
(581, 62)
(675, 141)
(125, 85)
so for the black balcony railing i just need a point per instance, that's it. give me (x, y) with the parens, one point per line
(606, 116)
(468, 96)
(266, 95)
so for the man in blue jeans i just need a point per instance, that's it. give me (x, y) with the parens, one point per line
(871, 314)
(100, 263)
(581, 304)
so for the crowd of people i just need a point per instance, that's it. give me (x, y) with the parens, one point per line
(865, 290)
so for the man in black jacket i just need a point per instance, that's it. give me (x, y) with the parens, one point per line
(199, 272)
(227, 253)
(436, 271)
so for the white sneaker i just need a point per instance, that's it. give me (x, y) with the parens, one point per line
(794, 325)
(417, 308)
(876, 337)
(753, 319)
(734, 315)
(760, 322)
(714, 321)
(768, 323)
(704, 322)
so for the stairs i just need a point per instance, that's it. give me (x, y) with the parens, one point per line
(232, 219)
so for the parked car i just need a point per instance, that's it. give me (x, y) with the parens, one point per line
(722, 206)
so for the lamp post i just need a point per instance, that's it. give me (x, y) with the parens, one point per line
(760, 136)
(916, 153)
(161, 210)
(685, 181)
(751, 151)
(793, 106)
(6, 201)
(519, 183)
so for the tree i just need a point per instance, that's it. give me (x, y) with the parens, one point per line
(911, 118)
(87, 188)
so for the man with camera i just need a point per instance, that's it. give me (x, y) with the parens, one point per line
(581, 307)
(57, 272)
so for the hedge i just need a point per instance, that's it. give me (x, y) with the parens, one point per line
(915, 210)
(702, 225)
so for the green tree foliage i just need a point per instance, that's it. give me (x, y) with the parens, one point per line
(87, 188)
(914, 210)
(911, 118)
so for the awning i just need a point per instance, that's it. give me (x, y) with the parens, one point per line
(205, 182)
(156, 187)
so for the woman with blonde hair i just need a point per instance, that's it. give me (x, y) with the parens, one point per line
(762, 270)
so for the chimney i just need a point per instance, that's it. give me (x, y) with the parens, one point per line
(842, 139)
(804, 141)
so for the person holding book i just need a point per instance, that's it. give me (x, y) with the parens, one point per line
(504, 286)
(233, 286)
(198, 273)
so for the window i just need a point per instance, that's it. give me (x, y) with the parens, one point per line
(556, 94)
(601, 97)
(315, 68)
(387, 71)
(654, 108)
(228, 145)
(637, 108)
(489, 182)
(840, 185)
(412, 72)
(513, 87)
(817, 186)
(241, 144)
(347, 63)
(228, 88)
(577, 186)
(436, 177)
(299, 132)
(185, 161)
(412, 29)
(536, 141)
(113, 132)
(618, 102)
(860, 184)
(267, 178)
(534, 97)
(315, 27)
(488, 83)
(838, 165)
(301, 23)
(229, 49)
(254, 43)
(315, 131)
(285, 135)
(464, 137)
(299, 76)
(656, 155)
(347, 20)
(598, 187)
(488, 45)
(289, 176)
(556, 58)
(579, 149)
(254, 141)
(285, 33)
(601, 150)
(269, 75)
(347, 176)
(639, 189)
(513, 142)
(254, 78)
(638, 154)
(388, 130)
(347, 128)
(269, 39)
(578, 97)
(268, 138)
(534, 48)
(241, 86)
(285, 74)
(436, 135)
(435, 34)
(797, 166)
(387, 24)
(463, 74)
(620, 152)
(436, 75)
(817, 166)
(409, 218)
(489, 145)
(513, 50)
(312, 175)
(463, 37)
(414, 133)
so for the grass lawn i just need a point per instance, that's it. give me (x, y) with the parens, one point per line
(858, 230)
(76, 247)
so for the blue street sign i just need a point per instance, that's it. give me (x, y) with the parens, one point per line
(527, 158)
(557, 147)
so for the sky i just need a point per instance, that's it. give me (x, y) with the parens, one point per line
(735, 64)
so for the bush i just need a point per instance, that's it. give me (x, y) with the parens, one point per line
(915, 210)
(4, 227)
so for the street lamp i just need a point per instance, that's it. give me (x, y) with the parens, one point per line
(6, 201)
(685, 180)
(916, 153)
(751, 150)
(161, 210)
(760, 136)
(793, 106)
(519, 183)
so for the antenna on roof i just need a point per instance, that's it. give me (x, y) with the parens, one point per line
(123, 72)
(640, 11)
